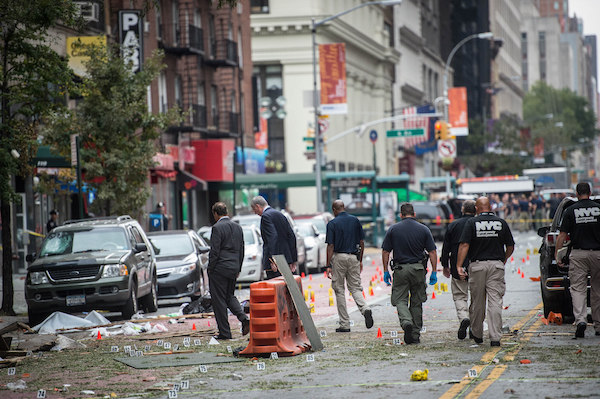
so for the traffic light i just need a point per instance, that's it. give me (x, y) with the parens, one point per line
(442, 130)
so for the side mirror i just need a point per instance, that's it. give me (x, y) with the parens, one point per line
(203, 250)
(140, 247)
(542, 231)
(30, 257)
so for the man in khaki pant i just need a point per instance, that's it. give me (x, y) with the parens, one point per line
(345, 246)
(488, 241)
(582, 221)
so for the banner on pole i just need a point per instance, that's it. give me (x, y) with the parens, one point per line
(332, 66)
(457, 111)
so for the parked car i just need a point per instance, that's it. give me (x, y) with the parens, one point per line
(181, 263)
(252, 268)
(432, 215)
(247, 220)
(554, 279)
(204, 232)
(316, 249)
(92, 264)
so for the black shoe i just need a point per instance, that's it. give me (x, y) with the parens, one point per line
(477, 340)
(495, 343)
(341, 329)
(408, 338)
(580, 332)
(245, 327)
(462, 330)
(368, 318)
(597, 332)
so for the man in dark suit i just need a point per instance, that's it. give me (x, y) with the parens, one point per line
(224, 265)
(278, 237)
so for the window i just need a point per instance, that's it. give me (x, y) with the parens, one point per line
(201, 95)
(175, 18)
(240, 49)
(233, 104)
(198, 18)
(542, 44)
(178, 92)
(211, 35)
(214, 109)
(556, 6)
(259, 6)
(390, 32)
(158, 24)
(162, 93)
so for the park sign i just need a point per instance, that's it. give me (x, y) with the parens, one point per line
(405, 132)
(131, 38)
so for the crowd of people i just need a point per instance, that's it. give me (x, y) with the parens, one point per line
(525, 212)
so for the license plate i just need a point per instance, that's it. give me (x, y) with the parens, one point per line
(75, 300)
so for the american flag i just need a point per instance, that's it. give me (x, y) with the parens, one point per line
(415, 123)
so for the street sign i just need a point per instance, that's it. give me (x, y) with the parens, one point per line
(447, 148)
(373, 136)
(310, 155)
(405, 132)
(323, 125)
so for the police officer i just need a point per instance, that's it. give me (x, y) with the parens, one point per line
(582, 222)
(460, 288)
(407, 240)
(345, 246)
(488, 242)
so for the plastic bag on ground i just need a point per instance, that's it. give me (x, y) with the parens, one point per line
(63, 342)
(97, 318)
(60, 320)
(158, 328)
(103, 332)
(17, 386)
(200, 305)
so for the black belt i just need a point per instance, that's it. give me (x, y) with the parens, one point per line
(484, 260)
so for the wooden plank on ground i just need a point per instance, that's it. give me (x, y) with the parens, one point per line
(301, 308)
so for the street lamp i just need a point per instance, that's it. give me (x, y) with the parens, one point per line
(318, 154)
(484, 35)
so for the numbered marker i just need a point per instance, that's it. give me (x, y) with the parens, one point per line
(186, 342)
(229, 349)
(176, 347)
(127, 349)
(260, 366)
(131, 353)
(323, 333)
(12, 371)
(147, 348)
(185, 384)
(274, 355)
(172, 394)
(29, 353)
(139, 353)
(472, 373)
(176, 387)
(114, 348)
(167, 345)
(310, 358)
(397, 341)
(423, 330)
(41, 394)
(203, 368)
(351, 323)
(159, 343)
(197, 342)
(393, 334)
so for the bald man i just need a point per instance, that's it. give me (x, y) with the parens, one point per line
(345, 246)
(488, 243)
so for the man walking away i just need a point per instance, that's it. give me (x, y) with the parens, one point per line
(224, 266)
(582, 222)
(488, 242)
(407, 240)
(345, 246)
(278, 237)
(53, 221)
(460, 288)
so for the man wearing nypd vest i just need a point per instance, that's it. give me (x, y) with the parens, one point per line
(487, 241)
(582, 222)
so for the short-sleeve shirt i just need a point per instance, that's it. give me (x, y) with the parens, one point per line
(487, 235)
(408, 239)
(582, 221)
(345, 233)
(524, 205)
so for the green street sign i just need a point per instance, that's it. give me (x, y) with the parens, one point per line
(405, 132)
(310, 148)
(308, 138)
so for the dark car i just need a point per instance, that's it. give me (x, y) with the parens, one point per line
(432, 215)
(554, 279)
(92, 264)
(181, 263)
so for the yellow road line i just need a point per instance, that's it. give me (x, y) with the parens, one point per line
(487, 358)
(483, 385)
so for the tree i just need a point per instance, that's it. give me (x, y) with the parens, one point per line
(117, 133)
(32, 76)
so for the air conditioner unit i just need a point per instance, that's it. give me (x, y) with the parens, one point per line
(88, 10)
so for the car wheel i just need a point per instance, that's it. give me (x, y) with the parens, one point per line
(150, 301)
(36, 318)
(131, 306)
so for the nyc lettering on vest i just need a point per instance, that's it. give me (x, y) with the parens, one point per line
(488, 228)
(586, 215)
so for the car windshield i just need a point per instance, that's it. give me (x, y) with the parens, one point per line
(249, 237)
(306, 229)
(320, 225)
(78, 241)
(426, 210)
(173, 244)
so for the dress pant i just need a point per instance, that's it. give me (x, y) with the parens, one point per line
(460, 295)
(581, 263)
(409, 286)
(346, 268)
(486, 283)
(222, 291)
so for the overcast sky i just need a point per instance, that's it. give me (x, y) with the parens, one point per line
(589, 11)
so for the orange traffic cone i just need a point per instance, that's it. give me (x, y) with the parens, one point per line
(302, 275)
(364, 296)
(99, 336)
(310, 277)
(209, 323)
(433, 295)
(527, 257)
(194, 326)
(373, 262)
(312, 296)
(522, 274)
(519, 270)
(371, 293)
(325, 274)
(379, 334)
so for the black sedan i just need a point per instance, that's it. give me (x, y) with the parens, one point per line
(181, 262)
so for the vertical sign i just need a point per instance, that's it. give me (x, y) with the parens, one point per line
(457, 111)
(538, 150)
(332, 66)
(261, 138)
(130, 38)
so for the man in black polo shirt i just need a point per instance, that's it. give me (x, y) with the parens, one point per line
(582, 222)
(460, 288)
(407, 240)
(489, 243)
(345, 246)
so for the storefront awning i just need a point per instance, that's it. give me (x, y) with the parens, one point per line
(44, 158)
